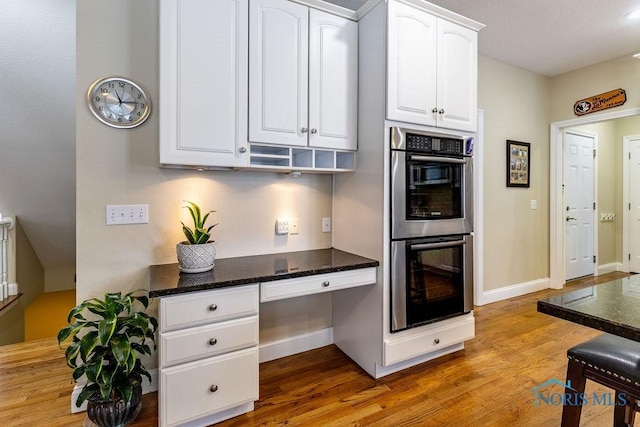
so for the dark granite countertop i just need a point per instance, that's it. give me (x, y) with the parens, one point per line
(612, 307)
(166, 279)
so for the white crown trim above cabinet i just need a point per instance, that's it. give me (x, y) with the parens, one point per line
(203, 82)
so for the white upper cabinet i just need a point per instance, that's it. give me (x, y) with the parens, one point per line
(302, 76)
(203, 82)
(333, 81)
(278, 77)
(432, 69)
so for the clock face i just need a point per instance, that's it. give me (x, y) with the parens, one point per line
(119, 102)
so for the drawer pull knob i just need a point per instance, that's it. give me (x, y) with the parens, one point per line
(213, 341)
(213, 388)
(436, 341)
(213, 307)
(325, 283)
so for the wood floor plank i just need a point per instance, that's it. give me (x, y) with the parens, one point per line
(489, 383)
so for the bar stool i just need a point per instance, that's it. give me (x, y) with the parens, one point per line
(608, 360)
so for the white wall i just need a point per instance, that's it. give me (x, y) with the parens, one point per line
(117, 166)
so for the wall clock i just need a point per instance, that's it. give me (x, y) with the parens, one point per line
(119, 102)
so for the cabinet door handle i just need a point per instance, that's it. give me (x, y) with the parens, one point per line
(326, 283)
(213, 307)
(242, 149)
(436, 341)
(304, 130)
(213, 341)
(314, 130)
(435, 110)
(441, 111)
(213, 388)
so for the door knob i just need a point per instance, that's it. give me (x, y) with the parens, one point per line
(569, 218)
(435, 110)
(441, 111)
(304, 130)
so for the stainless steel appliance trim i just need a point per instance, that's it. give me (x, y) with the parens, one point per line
(401, 228)
(398, 141)
(439, 159)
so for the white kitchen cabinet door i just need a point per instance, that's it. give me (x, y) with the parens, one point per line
(203, 82)
(411, 72)
(333, 81)
(278, 76)
(457, 76)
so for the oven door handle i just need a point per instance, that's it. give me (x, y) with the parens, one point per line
(423, 246)
(436, 159)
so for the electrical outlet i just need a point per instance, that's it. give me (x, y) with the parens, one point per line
(282, 226)
(126, 214)
(293, 226)
(326, 224)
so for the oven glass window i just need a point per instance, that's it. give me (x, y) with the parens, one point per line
(434, 284)
(434, 190)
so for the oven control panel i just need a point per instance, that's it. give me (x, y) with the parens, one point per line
(432, 144)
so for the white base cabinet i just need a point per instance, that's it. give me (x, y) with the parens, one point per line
(208, 347)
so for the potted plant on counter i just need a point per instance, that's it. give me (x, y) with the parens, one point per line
(108, 336)
(196, 254)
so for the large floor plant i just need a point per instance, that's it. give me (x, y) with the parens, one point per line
(108, 336)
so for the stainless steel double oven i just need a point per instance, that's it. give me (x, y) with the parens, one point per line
(431, 227)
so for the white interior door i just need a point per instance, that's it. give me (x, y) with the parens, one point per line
(579, 207)
(634, 204)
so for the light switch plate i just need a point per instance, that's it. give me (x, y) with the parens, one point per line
(126, 214)
(282, 226)
(294, 226)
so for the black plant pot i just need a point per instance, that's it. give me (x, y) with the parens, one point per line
(108, 413)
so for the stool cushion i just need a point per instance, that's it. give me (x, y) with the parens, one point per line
(610, 354)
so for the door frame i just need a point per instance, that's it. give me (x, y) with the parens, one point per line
(594, 219)
(556, 198)
(626, 139)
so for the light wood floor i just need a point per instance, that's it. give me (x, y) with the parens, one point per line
(488, 384)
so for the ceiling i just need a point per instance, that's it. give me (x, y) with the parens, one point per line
(548, 37)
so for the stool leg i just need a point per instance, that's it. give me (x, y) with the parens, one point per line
(571, 413)
(624, 416)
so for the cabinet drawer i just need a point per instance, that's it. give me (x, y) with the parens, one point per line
(190, 344)
(196, 389)
(199, 308)
(289, 288)
(435, 338)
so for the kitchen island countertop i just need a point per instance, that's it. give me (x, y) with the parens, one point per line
(166, 279)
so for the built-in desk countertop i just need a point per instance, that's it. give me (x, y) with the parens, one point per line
(166, 279)
(612, 307)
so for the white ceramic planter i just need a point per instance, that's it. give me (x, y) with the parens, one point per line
(196, 258)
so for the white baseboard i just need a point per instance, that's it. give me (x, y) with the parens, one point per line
(512, 291)
(146, 388)
(295, 344)
(609, 268)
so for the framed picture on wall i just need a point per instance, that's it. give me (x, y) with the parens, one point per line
(518, 164)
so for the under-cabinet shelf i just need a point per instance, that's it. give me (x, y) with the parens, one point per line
(301, 159)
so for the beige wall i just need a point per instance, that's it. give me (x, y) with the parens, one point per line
(516, 238)
(566, 89)
(121, 166)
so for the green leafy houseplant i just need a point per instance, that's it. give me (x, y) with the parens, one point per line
(198, 234)
(113, 334)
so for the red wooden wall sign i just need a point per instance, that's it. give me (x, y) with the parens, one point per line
(613, 98)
